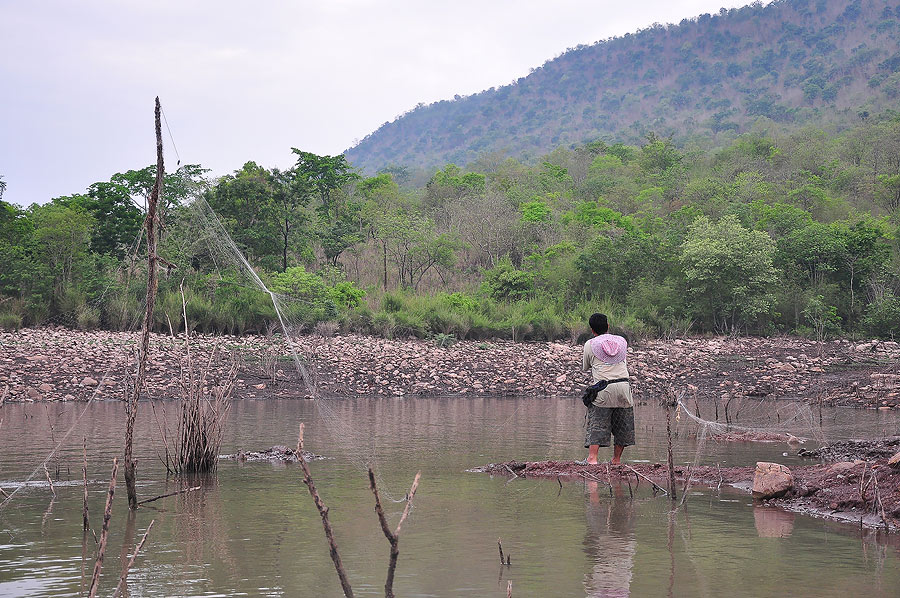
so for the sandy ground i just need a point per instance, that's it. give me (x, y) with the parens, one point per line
(51, 364)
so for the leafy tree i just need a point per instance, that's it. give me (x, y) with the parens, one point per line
(245, 201)
(323, 176)
(728, 271)
(63, 236)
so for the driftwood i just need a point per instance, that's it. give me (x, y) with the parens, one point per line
(326, 524)
(124, 577)
(101, 550)
(167, 495)
(392, 537)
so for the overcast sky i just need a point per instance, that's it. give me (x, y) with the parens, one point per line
(249, 80)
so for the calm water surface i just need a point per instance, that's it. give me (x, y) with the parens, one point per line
(253, 530)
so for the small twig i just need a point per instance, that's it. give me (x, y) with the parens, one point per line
(326, 524)
(636, 472)
(182, 491)
(124, 576)
(3, 492)
(104, 530)
(514, 474)
(49, 481)
(719, 471)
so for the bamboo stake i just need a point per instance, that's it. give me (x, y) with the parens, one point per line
(326, 524)
(84, 505)
(150, 223)
(101, 550)
(123, 578)
(394, 537)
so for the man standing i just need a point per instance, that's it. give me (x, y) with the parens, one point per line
(612, 411)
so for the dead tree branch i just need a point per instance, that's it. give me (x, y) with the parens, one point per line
(326, 524)
(392, 537)
(101, 550)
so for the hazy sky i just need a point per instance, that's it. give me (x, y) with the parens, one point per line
(248, 80)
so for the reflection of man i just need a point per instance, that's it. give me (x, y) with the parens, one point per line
(609, 544)
(612, 412)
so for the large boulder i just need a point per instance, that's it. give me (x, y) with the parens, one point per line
(771, 480)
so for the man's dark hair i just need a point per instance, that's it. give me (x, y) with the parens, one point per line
(599, 323)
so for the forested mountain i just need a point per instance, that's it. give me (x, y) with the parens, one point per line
(704, 81)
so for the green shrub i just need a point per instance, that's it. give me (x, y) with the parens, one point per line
(444, 340)
(10, 321)
(347, 294)
(87, 318)
(882, 319)
(504, 282)
(392, 302)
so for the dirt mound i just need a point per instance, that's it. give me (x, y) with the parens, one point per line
(863, 492)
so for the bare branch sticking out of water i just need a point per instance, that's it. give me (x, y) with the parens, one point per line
(393, 537)
(326, 524)
(124, 577)
(49, 481)
(168, 494)
(101, 550)
(84, 505)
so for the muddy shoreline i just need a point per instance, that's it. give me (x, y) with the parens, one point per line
(843, 491)
(53, 364)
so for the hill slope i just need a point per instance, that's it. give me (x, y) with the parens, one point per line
(704, 80)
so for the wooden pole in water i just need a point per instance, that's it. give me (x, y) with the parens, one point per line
(84, 505)
(150, 223)
(671, 462)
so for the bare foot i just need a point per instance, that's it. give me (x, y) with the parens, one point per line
(615, 462)
(594, 462)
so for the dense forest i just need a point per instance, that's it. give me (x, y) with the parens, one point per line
(796, 233)
(704, 81)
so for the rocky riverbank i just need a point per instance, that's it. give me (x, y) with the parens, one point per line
(50, 364)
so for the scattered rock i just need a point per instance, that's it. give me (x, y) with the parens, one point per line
(771, 480)
(88, 381)
(894, 461)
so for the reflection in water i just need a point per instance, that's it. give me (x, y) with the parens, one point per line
(772, 522)
(609, 542)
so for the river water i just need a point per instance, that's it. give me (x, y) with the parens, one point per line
(253, 529)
